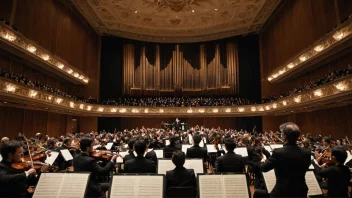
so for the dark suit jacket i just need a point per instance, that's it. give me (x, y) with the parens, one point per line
(151, 155)
(139, 165)
(290, 164)
(169, 149)
(84, 163)
(230, 162)
(12, 184)
(128, 157)
(197, 152)
(338, 179)
(180, 177)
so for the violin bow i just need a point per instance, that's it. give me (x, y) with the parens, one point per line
(29, 151)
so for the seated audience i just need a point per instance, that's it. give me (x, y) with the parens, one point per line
(180, 176)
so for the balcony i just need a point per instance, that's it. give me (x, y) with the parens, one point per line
(26, 50)
(329, 95)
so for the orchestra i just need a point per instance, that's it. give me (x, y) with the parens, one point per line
(24, 159)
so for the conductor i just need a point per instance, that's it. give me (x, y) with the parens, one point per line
(290, 164)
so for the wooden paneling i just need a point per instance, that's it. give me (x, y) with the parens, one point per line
(29, 122)
(60, 31)
(295, 27)
(336, 122)
(5, 9)
(87, 124)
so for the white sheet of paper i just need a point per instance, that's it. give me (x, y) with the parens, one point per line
(109, 145)
(123, 154)
(0, 158)
(185, 147)
(167, 142)
(241, 151)
(311, 181)
(66, 154)
(311, 167)
(159, 153)
(211, 148)
(61, 185)
(166, 165)
(275, 146)
(190, 139)
(53, 155)
(137, 186)
(119, 160)
(96, 146)
(348, 159)
(268, 148)
(223, 186)
(150, 149)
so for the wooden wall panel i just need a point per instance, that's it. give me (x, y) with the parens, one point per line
(29, 122)
(5, 9)
(87, 124)
(336, 122)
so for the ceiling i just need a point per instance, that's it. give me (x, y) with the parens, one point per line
(173, 21)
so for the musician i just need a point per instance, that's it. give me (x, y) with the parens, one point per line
(130, 154)
(196, 151)
(180, 176)
(3, 140)
(290, 164)
(140, 164)
(338, 176)
(84, 163)
(172, 147)
(257, 143)
(230, 162)
(12, 184)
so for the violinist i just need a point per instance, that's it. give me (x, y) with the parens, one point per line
(338, 176)
(83, 162)
(3, 140)
(15, 184)
(325, 153)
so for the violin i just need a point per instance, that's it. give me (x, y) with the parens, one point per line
(98, 155)
(20, 167)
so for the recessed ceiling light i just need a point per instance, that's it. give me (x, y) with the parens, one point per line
(5, 102)
(192, 10)
(216, 9)
(136, 11)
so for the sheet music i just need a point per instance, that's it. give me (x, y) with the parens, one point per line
(109, 145)
(61, 185)
(137, 186)
(119, 160)
(211, 186)
(167, 142)
(0, 158)
(96, 146)
(275, 146)
(242, 151)
(211, 148)
(159, 153)
(167, 165)
(311, 181)
(190, 139)
(123, 154)
(185, 147)
(348, 158)
(313, 185)
(66, 154)
(268, 148)
(53, 155)
(311, 167)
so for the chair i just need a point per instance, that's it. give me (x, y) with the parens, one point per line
(184, 192)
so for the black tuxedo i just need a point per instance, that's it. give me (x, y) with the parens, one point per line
(197, 152)
(230, 162)
(180, 177)
(290, 164)
(151, 155)
(84, 163)
(128, 157)
(169, 149)
(139, 165)
(12, 184)
(338, 179)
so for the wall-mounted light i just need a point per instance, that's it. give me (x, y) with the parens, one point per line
(100, 109)
(123, 110)
(113, 110)
(32, 93)
(297, 99)
(10, 87)
(58, 100)
(241, 109)
(253, 109)
(72, 104)
(342, 86)
(81, 106)
(228, 110)
(318, 93)
(215, 110)
(89, 108)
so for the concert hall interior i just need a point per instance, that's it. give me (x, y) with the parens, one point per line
(116, 88)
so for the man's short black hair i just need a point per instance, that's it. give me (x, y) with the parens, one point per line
(230, 144)
(140, 146)
(85, 143)
(327, 139)
(291, 130)
(340, 154)
(172, 139)
(178, 158)
(131, 143)
(10, 147)
(196, 139)
(66, 140)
